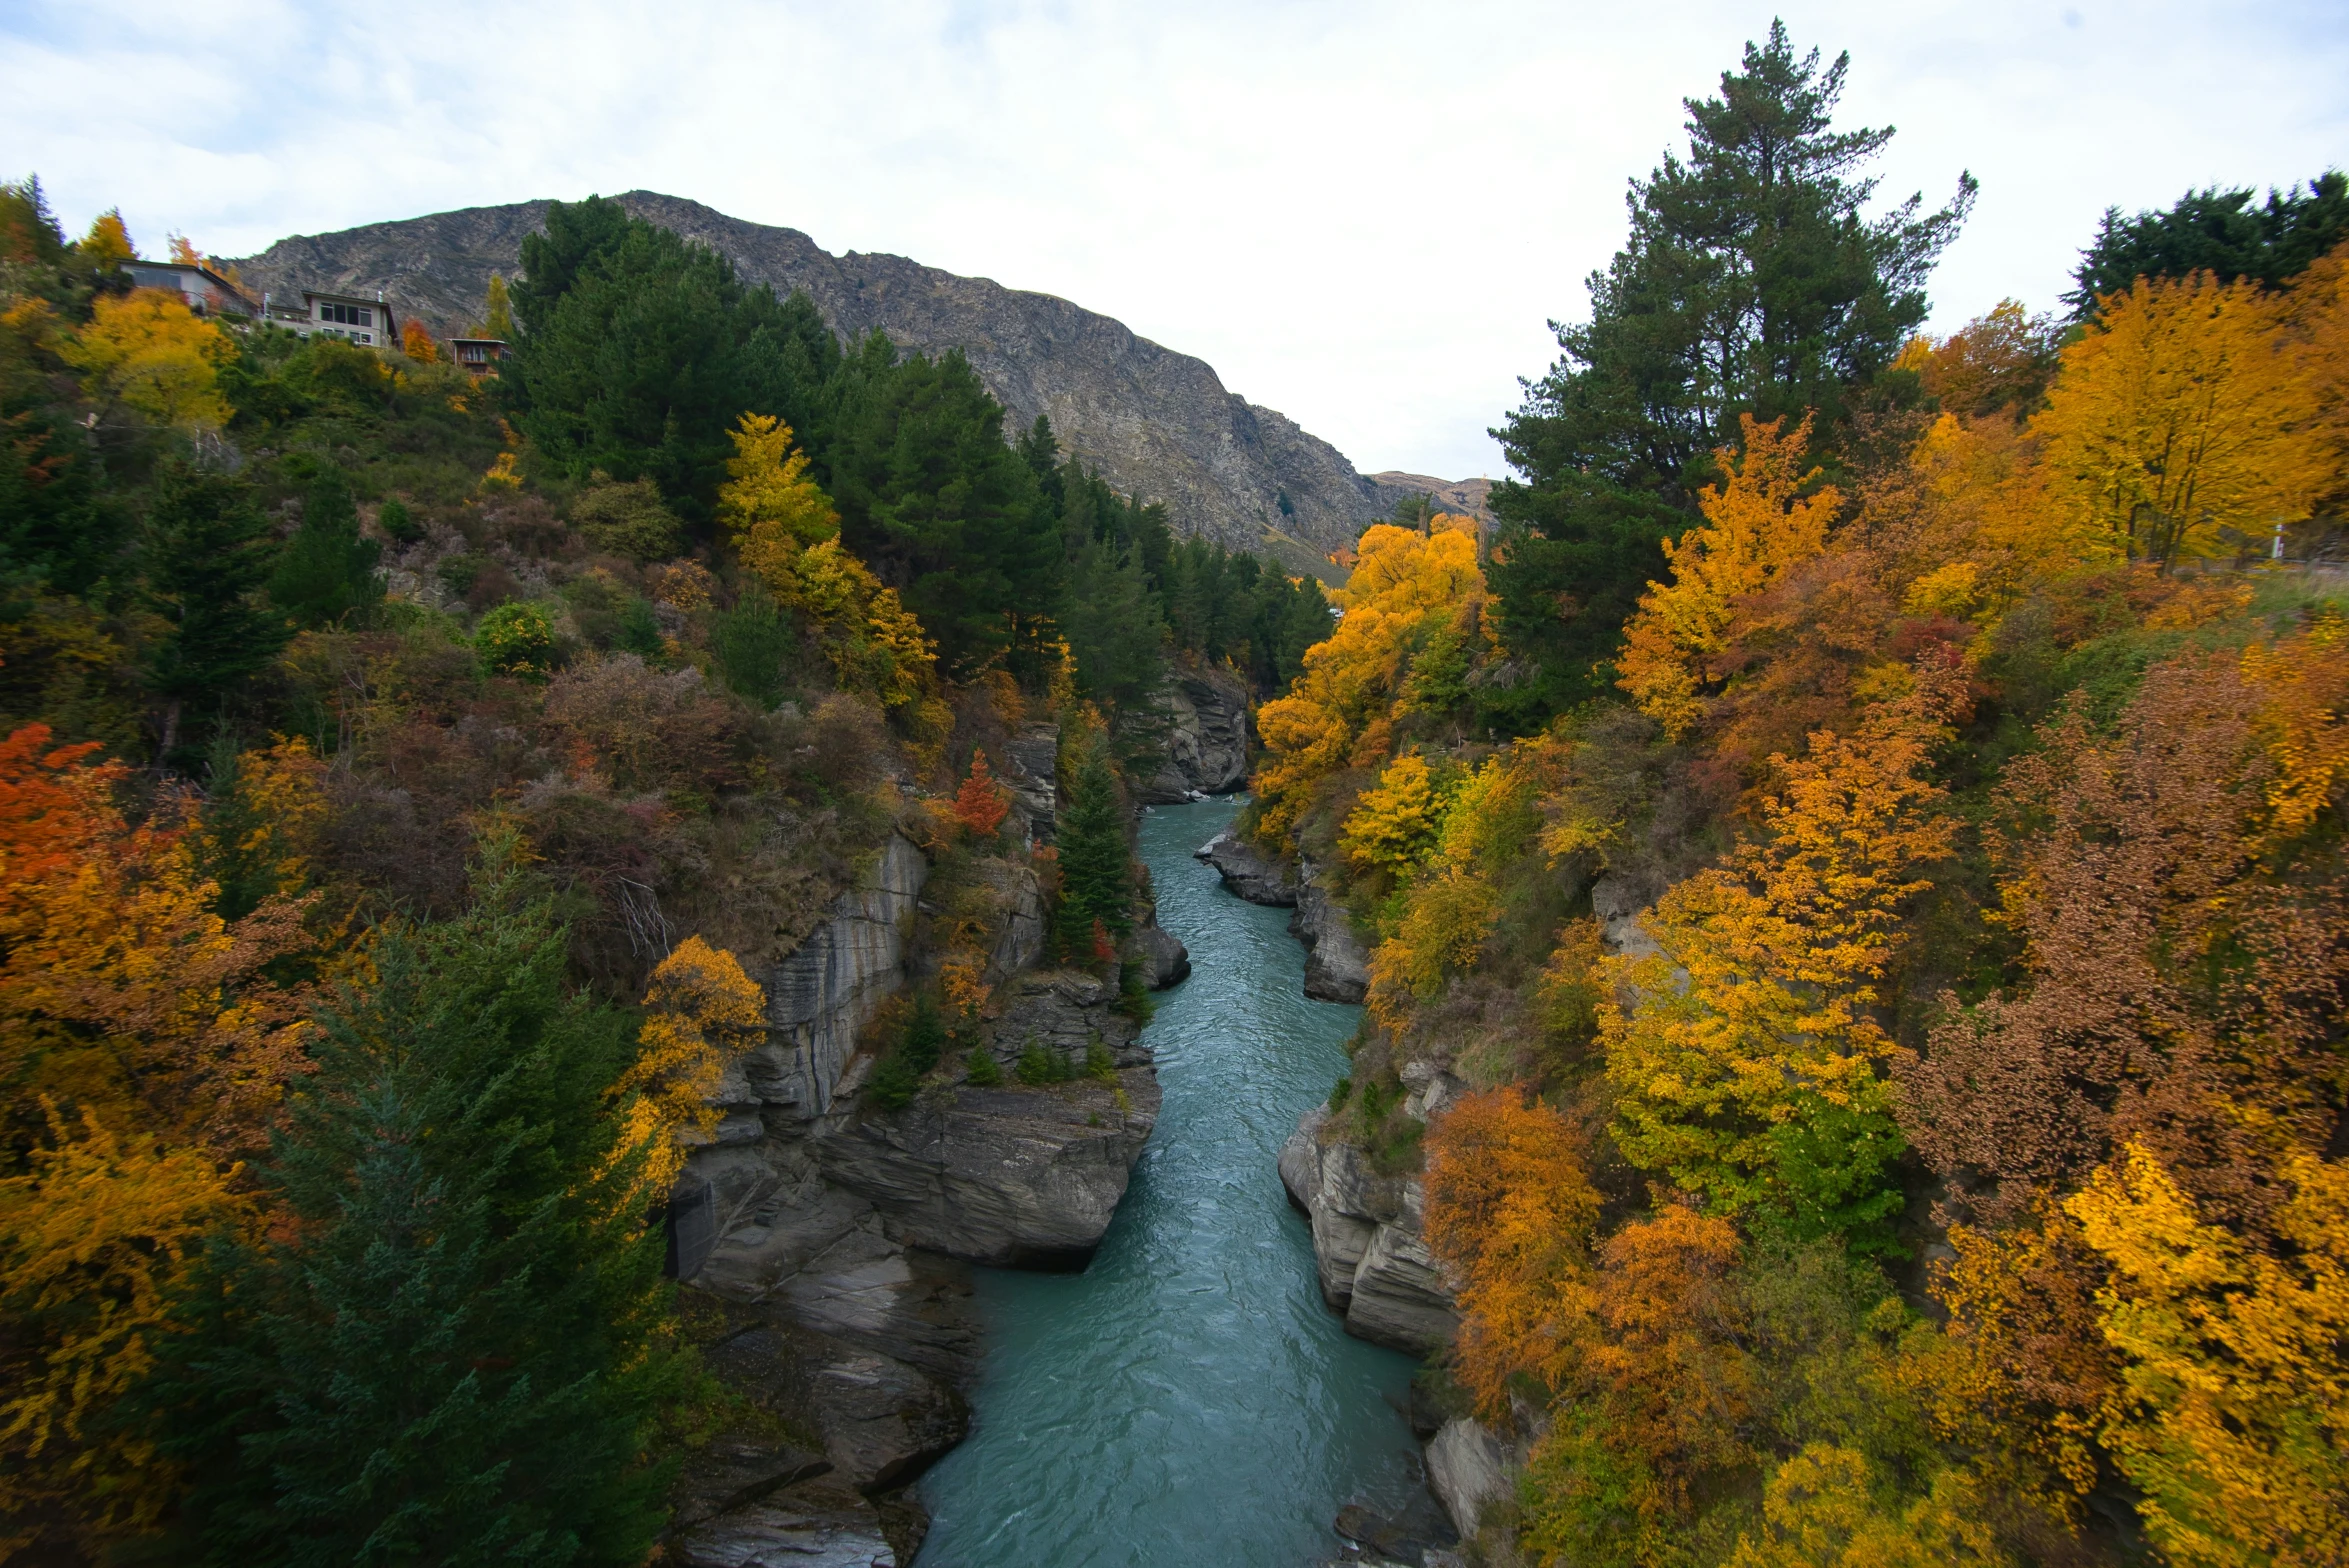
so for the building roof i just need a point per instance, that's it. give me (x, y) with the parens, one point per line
(135, 266)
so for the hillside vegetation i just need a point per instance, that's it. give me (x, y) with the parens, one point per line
(406, 779)
(1866, 840)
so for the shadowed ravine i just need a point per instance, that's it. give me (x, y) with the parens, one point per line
(1187, 1399)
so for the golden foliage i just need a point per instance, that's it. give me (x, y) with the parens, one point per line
(2182, 416)
(1825, 1509)
(148, 350)
(2303, 721)
(873, 641)
(90, 1239)
(769, 506)
(2233, 1415)
(108, 243)
(1781, 950)
(1403, 584)
(1394, 825)
(1511, 1213)
(1758, 523)
(417, 343)
(700, 1011)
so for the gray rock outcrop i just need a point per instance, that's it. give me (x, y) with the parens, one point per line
(828, 989)
(1033, 777)
(1013, 1177)
(1156, 423)
(1468, 1469)
(1373, 1265)
(1337, 968)
(1206, 715)
(1165, 961)
(1248, 871)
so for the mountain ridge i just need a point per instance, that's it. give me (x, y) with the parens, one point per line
(1156, 422)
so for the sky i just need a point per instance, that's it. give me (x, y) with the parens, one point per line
(1362, 214)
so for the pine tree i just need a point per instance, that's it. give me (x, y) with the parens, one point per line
(1096, 887)
(452, 1352)
(327, 571)
(207, 550)
(1753, 282)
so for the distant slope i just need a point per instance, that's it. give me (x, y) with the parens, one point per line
(1156, 423)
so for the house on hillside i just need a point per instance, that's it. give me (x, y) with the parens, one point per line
(204, 291)
(368, 322)
(480, 356)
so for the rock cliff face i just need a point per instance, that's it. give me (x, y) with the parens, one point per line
(826, 1232)
(1374, 1266)
(1337, 968)
(1206, 738)
(827, 990)
(1156, 423)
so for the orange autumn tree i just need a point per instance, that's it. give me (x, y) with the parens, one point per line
(979, 805)
(1511, 1213)
(416, 342)
(146, 349)
(1769, 514)
(142, 1047)
(1339, 711)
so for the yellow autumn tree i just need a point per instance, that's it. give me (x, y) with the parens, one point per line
(1338, 712)
(769, 506)
(874, 643)
(1746, 1049)
(701, 1010)
(1769, 514)
(2181, 417)
(108, 243)
(1828, 1506)
(2233, 1414)
(148, 350)
(1395, 824)
(2304, 720)
(90, 1240)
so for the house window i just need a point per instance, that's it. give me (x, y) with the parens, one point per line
(348, 315)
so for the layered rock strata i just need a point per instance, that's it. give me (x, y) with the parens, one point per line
(1248, 871)
(1337, 967)
(1373, 1265)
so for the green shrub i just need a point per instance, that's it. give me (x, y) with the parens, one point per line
(516, 639)
(1339, 1093)
(397, 522)
(895, 1083)
(1098, 1062)
(628, 519)
(753, 641)
(1038, 1066)
(981, 1069)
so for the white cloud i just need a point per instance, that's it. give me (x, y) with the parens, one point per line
(1360, 213)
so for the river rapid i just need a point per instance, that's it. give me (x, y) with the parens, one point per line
(1187, 1401)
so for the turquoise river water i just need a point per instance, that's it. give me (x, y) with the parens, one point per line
(1187, 1401)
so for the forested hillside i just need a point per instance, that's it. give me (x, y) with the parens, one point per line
(406, 777)
(1856, 876)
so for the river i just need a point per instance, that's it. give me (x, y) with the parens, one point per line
(1187, 1401)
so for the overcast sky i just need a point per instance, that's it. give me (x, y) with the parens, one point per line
(1362, 214)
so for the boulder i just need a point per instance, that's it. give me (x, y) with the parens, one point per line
(1015, 1177)
(1247, 871)
(1064, 1011)
(1467, 1469)
(1021, 941)
(1373, 1265)
(816, 1524)
(1165, 961)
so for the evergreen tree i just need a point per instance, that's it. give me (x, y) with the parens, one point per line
(452, 1354)
(206, 551)
(937, 504)
(1096, 885)
(2215, 231)
(327, 570)
(1753, 282)
(1114, 631)
(639, 350)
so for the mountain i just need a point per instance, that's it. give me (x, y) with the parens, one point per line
(1156, 423)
